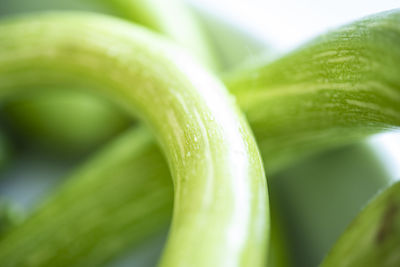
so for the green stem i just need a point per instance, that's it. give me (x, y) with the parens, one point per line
(172, 19)
(341, 87)
(101, 207)
(301, 101)
(38, 119)
(373, 238)
(220, 208)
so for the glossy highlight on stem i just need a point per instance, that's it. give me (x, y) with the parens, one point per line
(221, 208)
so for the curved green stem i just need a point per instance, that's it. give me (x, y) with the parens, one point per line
(101, 207)
(305, 101)
(320, 196)
(373, 238)
(339, 88)
(220, 208)
(172, 18)
(38, 119)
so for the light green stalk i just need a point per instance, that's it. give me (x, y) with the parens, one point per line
(220, 201)
(335, 90)
(320, 196)
(171, 18)
(373, 238)
(335, 79)
(341, 87)
(38, 118)
(119, 198)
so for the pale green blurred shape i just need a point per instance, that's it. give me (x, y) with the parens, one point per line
(373, 237)
(69, 122)
(321, 195)
(318, 242)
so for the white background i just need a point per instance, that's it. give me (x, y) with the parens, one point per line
(286, 23)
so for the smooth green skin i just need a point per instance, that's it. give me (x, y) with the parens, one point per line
(317, 198)
(339, 88)
(333, 91)
(372, 239)
(117, 199)
(220, 212)
(172, 19)
(39, 119)
(370, 35)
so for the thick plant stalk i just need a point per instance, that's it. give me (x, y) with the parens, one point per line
(339, 88)
(101, 207)
(319, 197)
(378, 32)
(220, 211)
(372, 239)
(38, 119)
(172, 18)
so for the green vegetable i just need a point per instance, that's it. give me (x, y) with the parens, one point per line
(37, 118)
(172, 19)
(372, 239)
(337, 89)
(218, 177)
(318, 197)
(102, 217)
